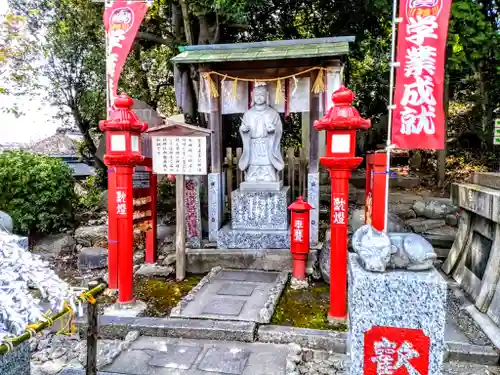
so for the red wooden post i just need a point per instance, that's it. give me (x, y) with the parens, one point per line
(340, 123)
(123, 153)
(151, 254)
(375, 201)
(112, 231)
(300, 237)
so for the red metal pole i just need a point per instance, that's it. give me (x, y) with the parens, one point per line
(151, 255)
(299, 266)
(379, 161)
(338, 245)
(125, 219)
(112, 231)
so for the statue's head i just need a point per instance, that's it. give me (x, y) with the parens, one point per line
(260, 94)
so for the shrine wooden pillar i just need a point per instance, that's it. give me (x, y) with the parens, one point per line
(215, 177)
(313, 185)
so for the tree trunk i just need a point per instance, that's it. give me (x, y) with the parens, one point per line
(188, 31)
(441, 154)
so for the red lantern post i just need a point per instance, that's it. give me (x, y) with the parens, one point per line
(340, 123)
(123, 152)
(300, 237)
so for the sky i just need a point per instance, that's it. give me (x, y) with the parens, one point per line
(37, 122)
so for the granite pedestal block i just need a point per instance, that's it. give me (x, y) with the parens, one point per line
(16, 362)
(214, 205)
(252, 210)
(414, 303)
(230, 238)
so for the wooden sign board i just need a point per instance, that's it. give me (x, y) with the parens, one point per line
(180, 155)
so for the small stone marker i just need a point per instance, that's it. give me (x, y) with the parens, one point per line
(91, 258)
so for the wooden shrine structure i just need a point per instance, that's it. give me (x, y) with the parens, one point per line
(301, 76)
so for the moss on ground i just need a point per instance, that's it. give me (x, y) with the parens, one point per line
(161, 295)
(306, 308)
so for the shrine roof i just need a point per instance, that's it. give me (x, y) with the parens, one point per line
(272, 50)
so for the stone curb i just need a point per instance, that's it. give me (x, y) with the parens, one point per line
(305, 337)
(177, 310)
(76, 371)
(111, 327)
(459, 351)
(198, 329)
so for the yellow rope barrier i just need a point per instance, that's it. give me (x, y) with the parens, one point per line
(318, 86)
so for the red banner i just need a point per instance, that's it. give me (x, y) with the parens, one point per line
(418, 117)
(121, 23)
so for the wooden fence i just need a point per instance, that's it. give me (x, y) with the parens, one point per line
(294, 174)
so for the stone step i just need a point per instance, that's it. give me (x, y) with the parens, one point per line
(169, 356)
(249, 296)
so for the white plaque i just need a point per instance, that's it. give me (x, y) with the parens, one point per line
(180, 155)
(118, 142)
(135, 143)
(341, 143)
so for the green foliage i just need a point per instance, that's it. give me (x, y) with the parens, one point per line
(90, 200)
(166, 197)
(37, 191)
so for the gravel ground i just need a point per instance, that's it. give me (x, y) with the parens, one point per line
(52, 353)
(312, 362)
(465, 322)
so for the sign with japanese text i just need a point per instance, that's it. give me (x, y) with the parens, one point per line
(121, 202)
(396, 351)
(180, 155)
(121, 23)
(496, 132)
(141, 180)
(298, 230)
(339, 210)
(418, 116)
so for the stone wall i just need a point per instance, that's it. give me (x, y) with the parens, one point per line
(474, 259)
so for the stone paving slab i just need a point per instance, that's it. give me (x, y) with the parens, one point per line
(234, 295)
(167, 356)
(117, 328)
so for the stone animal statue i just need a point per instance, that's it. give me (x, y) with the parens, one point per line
(378, 250)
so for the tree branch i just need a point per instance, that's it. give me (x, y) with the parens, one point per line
(155, 38)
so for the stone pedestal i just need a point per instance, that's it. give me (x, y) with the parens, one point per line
(215, 201)
(397, 315)
(16, 362)
(252, 210)
(313, 200)
(259, 220)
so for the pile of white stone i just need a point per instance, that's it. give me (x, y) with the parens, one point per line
(21, 273)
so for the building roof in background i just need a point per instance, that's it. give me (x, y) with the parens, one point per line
(57, 145)
(81, 170)
(272, 50)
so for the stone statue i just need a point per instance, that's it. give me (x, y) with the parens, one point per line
(261, 130)
(378, 250)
